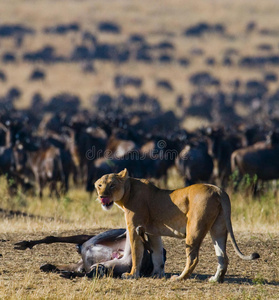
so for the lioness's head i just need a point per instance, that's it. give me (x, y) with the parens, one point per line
(111, 188)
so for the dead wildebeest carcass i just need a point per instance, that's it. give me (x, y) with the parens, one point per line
(108, 253)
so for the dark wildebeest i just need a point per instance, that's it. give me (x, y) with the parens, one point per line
(151, 161)
(119, 144)
(66, 149)
(194, 163)
(221, 146)
(108, 253)
(44, 161)
(8, 159)
(120, 151)
(90, 144)
(260, 160)
(159, 156)
(7, 167)
(103, 165)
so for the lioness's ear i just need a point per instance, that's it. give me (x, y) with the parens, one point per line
(124, 174)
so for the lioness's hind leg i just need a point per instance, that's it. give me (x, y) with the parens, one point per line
(194, 238)
(219, 236)
(192, 254)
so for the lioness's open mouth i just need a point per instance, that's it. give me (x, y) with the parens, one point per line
(106, 202)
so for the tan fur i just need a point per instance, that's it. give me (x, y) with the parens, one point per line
(187, 213)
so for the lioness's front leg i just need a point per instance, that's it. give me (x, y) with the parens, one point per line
(137, 250)
(157, 256)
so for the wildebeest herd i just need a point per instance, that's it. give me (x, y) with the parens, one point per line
(56, 140)
(51, 142)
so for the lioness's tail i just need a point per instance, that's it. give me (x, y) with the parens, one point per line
(226, 206)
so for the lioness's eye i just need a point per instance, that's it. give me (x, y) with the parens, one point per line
(112, 186)
(99, 185)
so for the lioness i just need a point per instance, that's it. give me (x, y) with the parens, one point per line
(183, 213)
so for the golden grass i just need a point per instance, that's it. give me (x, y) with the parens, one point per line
(77, 211)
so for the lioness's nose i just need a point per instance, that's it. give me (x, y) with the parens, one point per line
(103, 196)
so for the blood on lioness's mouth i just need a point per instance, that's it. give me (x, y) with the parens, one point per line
(106, 201)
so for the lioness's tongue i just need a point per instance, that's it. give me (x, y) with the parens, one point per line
(105, 201)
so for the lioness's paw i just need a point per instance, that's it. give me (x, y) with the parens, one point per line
(174, 277)
(128, 276)
(214, 279)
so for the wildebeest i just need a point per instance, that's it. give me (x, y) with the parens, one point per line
(260, 160)
(152, 160)
(121, 81)
(65, 144)
(7, 167)
(37, 74)
(103, 165)
(90, 144)
(120, 143)
(45, 163)
(3, 76)
(108, 253)
(9, 153)
(194, 163)
(222, 143)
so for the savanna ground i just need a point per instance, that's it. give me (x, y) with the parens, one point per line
(256, 221)
(256, 227)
